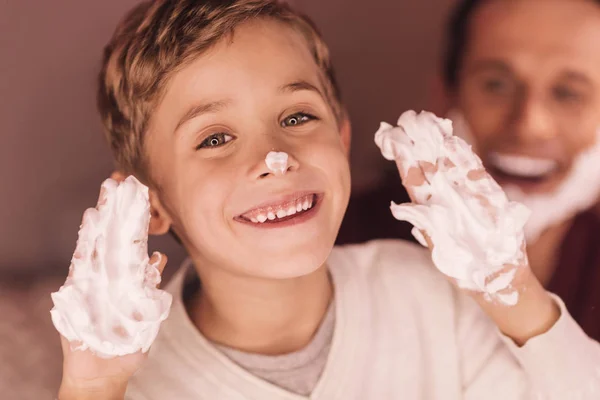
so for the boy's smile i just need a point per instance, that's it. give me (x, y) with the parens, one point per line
(255, 92)
(287, 210)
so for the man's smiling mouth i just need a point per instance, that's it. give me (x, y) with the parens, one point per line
(522, 166)
(281, 211)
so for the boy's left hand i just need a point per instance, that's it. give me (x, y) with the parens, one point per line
(535, 312)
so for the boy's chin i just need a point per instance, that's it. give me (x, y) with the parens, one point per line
(290, 265)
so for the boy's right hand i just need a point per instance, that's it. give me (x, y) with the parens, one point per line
(87, 376)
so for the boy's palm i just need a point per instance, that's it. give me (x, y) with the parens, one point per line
(416, 176)
(84, 370)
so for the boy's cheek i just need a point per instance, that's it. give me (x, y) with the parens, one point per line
(337, 158)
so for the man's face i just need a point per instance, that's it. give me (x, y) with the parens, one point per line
(530, 88)
(256, 92)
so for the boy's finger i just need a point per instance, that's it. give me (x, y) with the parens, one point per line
(427, 240)
(101, 197)
(159, 261)
(108, 187)
(414, 177)
(154, 269)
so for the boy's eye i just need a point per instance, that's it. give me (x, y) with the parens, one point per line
(216, 140)
(297, 119)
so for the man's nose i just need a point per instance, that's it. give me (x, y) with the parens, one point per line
(533, 121)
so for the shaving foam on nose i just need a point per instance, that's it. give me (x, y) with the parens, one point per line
(477, 233)
(277, 162)
(109, 303)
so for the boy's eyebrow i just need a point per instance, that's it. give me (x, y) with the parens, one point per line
(216, 106)
(200, 109)
(300, 85)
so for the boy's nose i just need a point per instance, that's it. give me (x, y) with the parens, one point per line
(275, 163)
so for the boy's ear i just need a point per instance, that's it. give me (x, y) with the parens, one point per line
(346, 133)
(160, 223)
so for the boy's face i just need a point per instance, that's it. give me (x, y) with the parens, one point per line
(221, 114)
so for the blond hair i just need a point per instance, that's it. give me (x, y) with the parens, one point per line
(155, 39)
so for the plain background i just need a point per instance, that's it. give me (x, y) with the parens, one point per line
(53, 156)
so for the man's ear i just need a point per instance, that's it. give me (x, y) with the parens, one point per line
(346, 133)
(160, 223)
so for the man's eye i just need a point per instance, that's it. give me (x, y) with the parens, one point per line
(297, 119)
(562, 93)
(216, 140)
(496, 86)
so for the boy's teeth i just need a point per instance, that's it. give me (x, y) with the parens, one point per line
(302, 204)
(522, 166)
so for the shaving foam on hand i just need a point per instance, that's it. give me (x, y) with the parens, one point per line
(476, 232)
(109, 303)
(277, 162)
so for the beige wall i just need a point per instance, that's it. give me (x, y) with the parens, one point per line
(52, 154)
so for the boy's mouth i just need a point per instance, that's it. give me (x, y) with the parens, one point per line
(282, 211)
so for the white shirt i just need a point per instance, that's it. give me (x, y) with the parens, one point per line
(401, 332)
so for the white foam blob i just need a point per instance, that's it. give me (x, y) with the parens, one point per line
(109, 303)
(477, 233)
(277, 162)
(578, 192)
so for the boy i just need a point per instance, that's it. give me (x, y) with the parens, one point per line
(193, 96)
